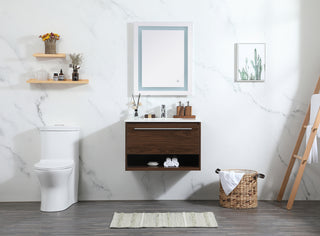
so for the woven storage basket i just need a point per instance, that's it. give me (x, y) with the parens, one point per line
(50, 46)
(245, 194)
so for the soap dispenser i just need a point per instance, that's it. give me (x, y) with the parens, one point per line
(61, 75)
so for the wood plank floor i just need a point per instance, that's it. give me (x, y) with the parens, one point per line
(93, 218)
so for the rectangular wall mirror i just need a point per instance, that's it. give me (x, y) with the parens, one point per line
(162, 58)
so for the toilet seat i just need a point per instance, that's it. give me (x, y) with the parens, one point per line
(54, 164)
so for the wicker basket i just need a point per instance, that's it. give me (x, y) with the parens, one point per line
(245, 194)
(50, 46)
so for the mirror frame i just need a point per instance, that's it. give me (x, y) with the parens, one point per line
(186, 27)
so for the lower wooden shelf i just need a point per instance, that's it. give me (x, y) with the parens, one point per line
(161, 168)
(50, 81)
(138, 162)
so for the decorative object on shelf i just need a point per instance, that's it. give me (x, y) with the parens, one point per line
(152, 163)
(250, 62)
(163, 111)
(41, 75)
(184, 111)
(135, 106)
(61, 75)
(76, 60)
(150, 116)
(50, 42)
(55, 76)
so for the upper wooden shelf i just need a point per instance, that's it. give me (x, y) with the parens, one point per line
(43, 55)
(50, 81)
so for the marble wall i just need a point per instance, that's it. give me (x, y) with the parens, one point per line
(245, 125)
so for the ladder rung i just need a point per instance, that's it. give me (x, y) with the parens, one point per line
(297, 157)
(314, 129)
(305, 126)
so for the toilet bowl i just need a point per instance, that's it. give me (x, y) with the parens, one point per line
(58, 169)
(54, 177)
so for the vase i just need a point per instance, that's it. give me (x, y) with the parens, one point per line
(75, 75)
(50, 46)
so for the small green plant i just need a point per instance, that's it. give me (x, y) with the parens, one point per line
(244, 74)
(256, 64)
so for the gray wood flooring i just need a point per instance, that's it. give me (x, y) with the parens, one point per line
(93, 218)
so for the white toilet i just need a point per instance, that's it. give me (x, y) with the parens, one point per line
(58, 169)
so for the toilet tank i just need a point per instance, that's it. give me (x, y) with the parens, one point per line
(59, 142)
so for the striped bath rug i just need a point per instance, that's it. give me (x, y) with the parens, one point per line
(164, 220)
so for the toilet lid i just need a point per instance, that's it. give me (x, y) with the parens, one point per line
(54, 164)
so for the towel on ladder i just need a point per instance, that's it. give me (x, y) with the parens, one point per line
(314, 107)
(313, 156)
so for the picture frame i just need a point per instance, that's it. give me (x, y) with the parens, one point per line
(250, 62)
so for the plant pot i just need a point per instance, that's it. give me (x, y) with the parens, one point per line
(50, 46)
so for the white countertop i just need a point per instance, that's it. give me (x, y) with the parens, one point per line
(162, 120)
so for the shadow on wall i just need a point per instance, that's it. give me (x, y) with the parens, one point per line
(156, 183)
(211, 191)
(102, 170)
(17, 171)
(98, 168)
(309, 73)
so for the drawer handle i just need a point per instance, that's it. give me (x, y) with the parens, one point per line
(162, 128)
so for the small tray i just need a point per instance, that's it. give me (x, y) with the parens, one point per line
(190, 117)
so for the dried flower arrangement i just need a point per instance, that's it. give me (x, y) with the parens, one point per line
(49, 36)
(76, 60)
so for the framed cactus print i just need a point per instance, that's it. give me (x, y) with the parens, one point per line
(250, 63)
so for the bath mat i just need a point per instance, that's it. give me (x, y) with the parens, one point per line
(164, 220)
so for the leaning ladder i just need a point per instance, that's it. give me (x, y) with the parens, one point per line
(304, 158)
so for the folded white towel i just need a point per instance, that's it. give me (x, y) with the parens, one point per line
(229, 180)
(313, 156)
(175, 162)
(171, 162)
(168, 163)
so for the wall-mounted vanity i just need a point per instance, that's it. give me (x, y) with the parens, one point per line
(155, 139)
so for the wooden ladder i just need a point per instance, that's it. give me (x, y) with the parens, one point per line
(304, 158)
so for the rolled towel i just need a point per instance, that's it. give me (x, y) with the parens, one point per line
(229, 180)
(168, 162)
(175, 162)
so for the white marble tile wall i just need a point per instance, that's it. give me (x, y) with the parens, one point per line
(245, 125)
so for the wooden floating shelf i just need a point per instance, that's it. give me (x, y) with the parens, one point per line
(50, 81)
(43, 55)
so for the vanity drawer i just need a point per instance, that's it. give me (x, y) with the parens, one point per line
(163, 138)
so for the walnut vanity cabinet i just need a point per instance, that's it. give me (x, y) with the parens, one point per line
(155, 141)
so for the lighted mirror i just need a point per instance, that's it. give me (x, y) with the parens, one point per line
(162, 58)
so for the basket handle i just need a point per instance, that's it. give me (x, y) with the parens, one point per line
(259, 175)
(218, 170)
